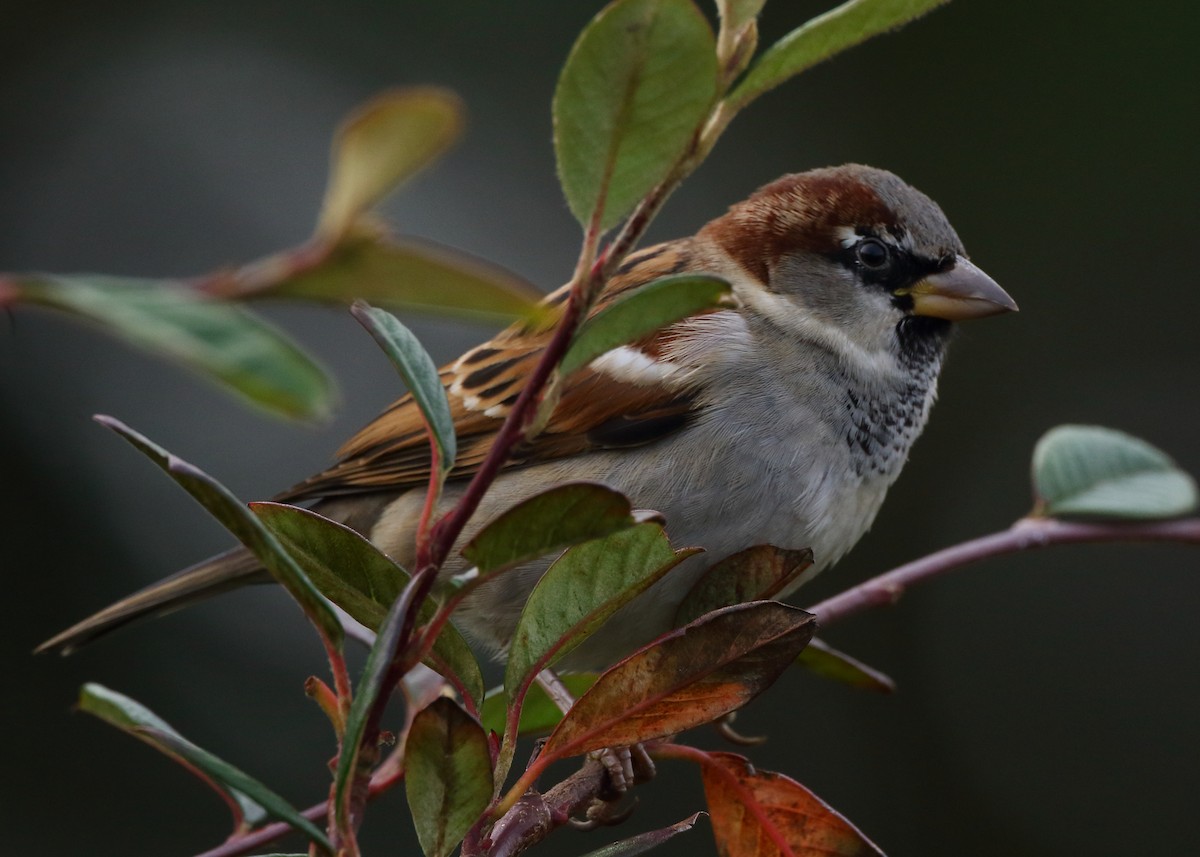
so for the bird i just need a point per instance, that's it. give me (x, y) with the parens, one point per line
(780, 418)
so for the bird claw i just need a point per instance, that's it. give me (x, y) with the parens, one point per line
(602, 813)
(618, 762)
(626, 766)
(724, 727)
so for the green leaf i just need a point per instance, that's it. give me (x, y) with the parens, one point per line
(643, 842)
(640, 312)
(403, 274)
(219, 340)
(420, 374)
(238, 519)
(382, 143)
(254, 799)
(755, 574)
(356, 576)
(448, 775)
(636, 88)
(565, 515)
(363, 708)
(827, 662)
(823, 37)
(539, 714)
(1096, 472)
(686, 678)
(583, 588)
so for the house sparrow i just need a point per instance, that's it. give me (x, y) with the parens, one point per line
(781, 419)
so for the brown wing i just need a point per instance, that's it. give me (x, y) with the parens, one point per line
(598, 409)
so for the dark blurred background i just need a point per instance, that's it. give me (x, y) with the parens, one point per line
(1047, 701)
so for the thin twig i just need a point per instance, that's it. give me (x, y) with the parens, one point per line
(1025, 534)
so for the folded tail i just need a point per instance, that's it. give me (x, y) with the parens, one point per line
(221, 573)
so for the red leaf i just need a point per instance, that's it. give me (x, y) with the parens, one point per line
(763, 814)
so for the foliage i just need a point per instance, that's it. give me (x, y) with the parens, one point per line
(645, 93)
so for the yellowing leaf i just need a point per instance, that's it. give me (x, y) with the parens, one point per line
(400, 273)
(382, 143)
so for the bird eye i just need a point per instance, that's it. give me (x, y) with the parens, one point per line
(873, 254)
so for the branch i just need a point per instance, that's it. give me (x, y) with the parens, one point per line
(535, 816)
(1025, 534)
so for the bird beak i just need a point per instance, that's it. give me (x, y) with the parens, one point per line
(962, 291)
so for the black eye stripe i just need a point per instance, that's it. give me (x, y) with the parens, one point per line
(902, 267)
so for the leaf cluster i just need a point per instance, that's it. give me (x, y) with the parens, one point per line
(644, 95)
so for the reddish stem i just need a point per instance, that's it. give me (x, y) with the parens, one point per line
(432, 495)
(1026, 534)
(446, 531)
(249, 842)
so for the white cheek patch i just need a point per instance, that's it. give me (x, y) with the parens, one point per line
(627, 364)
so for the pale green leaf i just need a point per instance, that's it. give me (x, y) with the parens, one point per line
(1096, 472)
(823, 37)
(637, 86)
(220, 340)
(420, 374)
(254, 799)
(447, 776)
(381, 144)
(642, 311)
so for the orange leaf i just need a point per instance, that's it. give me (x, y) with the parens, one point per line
(685, 678)
(763, 814)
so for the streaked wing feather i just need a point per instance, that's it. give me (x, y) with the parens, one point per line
(597, 409)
